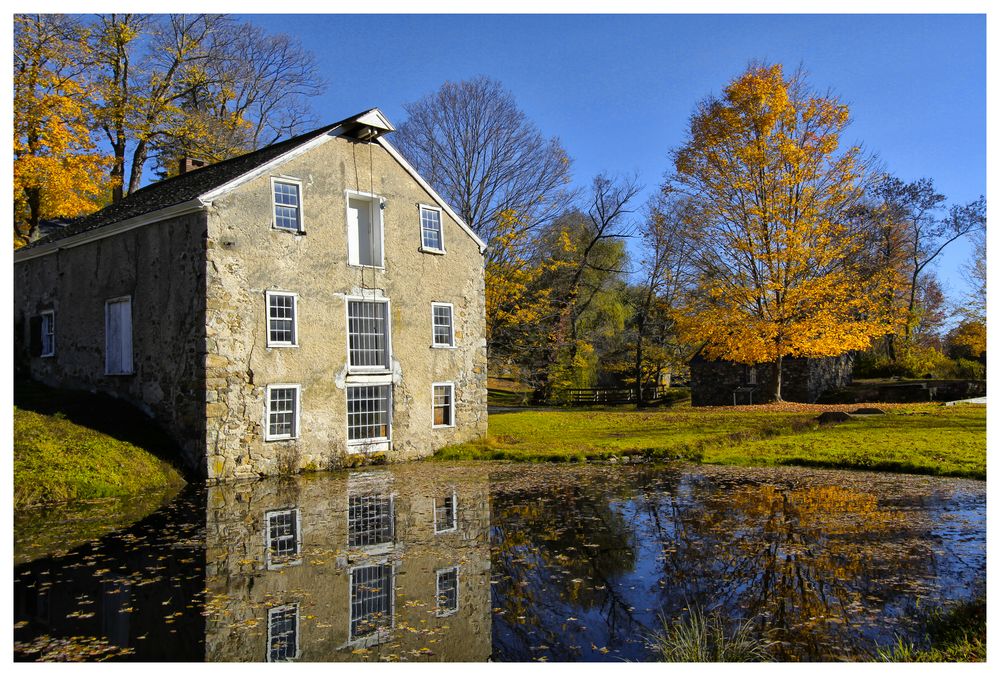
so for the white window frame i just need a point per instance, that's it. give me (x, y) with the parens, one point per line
(382, 634)
(751, 375)
(51, 314)
(434, 343)
(295, 318)
(454, 515)
(388, 335)
(288, 180)
(437, 592)
(451, 405)
(420, 215)
(371, 444)
(267, 411)
(292, 560)
(107, 334)
(353, 251)
(277, 609)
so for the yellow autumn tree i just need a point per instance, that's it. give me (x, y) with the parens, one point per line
(58, 172)
(781, 271)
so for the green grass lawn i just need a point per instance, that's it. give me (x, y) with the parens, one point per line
(921, 438)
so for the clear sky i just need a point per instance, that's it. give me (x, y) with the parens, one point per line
(618, 90)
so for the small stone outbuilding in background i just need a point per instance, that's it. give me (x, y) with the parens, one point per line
(717, 382)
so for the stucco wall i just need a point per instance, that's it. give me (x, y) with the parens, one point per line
(161, 266)
(247, 257)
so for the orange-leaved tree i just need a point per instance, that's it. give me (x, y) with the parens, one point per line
(780, 268)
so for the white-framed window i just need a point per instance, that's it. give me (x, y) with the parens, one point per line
(364, 229)
(282, 537)
(446, 513)
(118, 336)
(431, 234)
(282, 328)
(372, 602)
(442, 320)
(283, 633)
(447, 591)
(281, 418)
(287, 198)
(368, 336)
(369, 410)
(48, 334)
(371, 520)
(444, 404)
(751, 375)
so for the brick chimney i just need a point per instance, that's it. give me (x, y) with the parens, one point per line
(190, 164)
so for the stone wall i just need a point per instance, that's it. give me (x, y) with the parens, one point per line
(713, 382)
(162, 267)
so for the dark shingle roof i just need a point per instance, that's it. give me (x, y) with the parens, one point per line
(182, 188)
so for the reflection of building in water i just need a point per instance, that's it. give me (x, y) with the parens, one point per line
(375, 564)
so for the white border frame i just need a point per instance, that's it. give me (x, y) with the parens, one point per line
(270, 612)
(368, 370)
(292, 561)
(440, 346)
(267, 411)
(373, 444)
(376, 200)
(454, 515)
(437, 592)
(41, 328)
(107, 317)
(420, 222)
(382, 634)
(451, 405)
(267, 317)
(297, 182)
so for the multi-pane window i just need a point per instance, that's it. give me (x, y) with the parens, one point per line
(445, 513)
(447, 591)
(281, 330)
(48, 334)
(430, 229)
(444, 405)
(368, 412)
(371, 600)
(283, 633)
(751, 375)
(444, 330)
(282, 412)
(370, 520)
(118, 336)
(367, 335)
(282, 536)
(287, 206)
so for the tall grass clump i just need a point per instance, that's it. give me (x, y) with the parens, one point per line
(707, 638)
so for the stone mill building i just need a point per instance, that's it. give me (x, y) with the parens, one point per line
(279, 311)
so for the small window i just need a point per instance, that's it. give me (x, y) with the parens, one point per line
(282, 537)
(364, 230)
(751, 375)
(447, 591)
(444, 405)
(281, 327)
(367, 335)
(368, 408)
(445, 513)
(47, 334)
(283, 633)
(372, 602)
(370, 520)
(431, 237)
(287, 205)
(444, 329)
(118, 336)
(282, 412)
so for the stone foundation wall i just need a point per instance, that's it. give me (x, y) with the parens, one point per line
(802, 380)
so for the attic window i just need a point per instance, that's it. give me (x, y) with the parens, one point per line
(431, 238)
(287, 205)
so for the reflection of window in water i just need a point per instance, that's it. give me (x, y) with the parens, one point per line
(447, 591)
(371, 601)
(282, 535)
(445, 509)
(283, 633)
(369, 520)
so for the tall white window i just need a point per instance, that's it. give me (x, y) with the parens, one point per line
(282, 537)
(364, 230)
(48, 334)
(445, 513)
(368, 412)
(447, 591)
(118, 336)
(367, 335)
(282, 415)
(444, 405)
(283, 633)
(281, 327)
(287, 205)
(372, 601)
(444, 328)
(431, 236)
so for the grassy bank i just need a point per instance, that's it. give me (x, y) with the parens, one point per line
(957, 634)
(923, 438)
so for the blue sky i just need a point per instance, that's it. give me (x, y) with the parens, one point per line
(618, 90)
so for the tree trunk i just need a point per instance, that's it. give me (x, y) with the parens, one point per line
(638, 361)
(138, 162)
(34, 210)
(776, 388)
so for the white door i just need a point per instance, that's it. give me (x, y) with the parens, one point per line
(118, 336)
(364, 239)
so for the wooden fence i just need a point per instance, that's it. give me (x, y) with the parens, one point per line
(612, 395)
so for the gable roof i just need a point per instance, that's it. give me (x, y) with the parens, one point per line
(195, 189)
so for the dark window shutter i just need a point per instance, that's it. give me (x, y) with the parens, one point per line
(35, 336)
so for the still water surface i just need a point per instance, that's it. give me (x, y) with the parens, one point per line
(468, 562)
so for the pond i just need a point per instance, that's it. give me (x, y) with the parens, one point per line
(469, 562)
